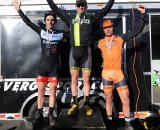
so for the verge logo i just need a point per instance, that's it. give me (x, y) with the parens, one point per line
(20, 86)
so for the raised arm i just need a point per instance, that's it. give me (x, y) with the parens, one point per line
(60, 13)
(103, 12)
(139, 26)
(17, 6)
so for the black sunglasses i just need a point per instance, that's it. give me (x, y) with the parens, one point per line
(80, 4)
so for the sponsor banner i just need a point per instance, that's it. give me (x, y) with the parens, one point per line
(140, 115)
(64, 84)
(20, 86)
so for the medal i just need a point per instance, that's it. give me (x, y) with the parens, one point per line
(49, 37)
(109, 44)
(109, 51)
(48, 46)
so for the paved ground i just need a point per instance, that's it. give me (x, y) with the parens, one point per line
(9, 124)
(79, 121)
(13, 124)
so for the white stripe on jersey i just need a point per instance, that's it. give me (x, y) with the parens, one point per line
(52, 37)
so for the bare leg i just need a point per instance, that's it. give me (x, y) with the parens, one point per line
(86, 79)
(74, 82)
(108, 91)
(74, 88)
(41, 91)
(52, 98)
(124, 96)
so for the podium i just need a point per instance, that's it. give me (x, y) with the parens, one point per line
(78, 121)
(81, 121)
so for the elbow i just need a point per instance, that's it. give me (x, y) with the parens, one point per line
(140, 31)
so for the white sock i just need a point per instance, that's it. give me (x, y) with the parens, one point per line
(109, 117)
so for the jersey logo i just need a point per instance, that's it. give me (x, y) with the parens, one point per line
(54, 49)
(81, 21)
(114, 44)
(51, 37)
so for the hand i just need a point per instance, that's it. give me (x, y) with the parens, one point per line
(16, 4)
(41, 24)
(141, 8)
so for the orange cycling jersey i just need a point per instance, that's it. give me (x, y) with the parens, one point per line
(111, 47)
(111, 53)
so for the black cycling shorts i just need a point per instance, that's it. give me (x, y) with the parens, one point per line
(80, 57)
(48, 68)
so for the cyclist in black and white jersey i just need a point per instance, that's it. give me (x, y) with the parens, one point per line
(49, 63)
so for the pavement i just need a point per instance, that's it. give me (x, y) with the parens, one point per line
(79, 121)
(13, 124)
(9, 124)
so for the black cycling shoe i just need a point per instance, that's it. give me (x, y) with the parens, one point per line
(52, 121)
(38, 120)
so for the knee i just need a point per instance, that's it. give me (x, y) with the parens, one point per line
(52, 92)
(41, 92)
(74, 76)
(86, 82)
(125, 100)
(74, 81)
(109, 99)
(86, 79)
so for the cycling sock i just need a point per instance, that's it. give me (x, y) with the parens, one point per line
(109, 117)
(40, 111)
(86, 100)
(75, 101)
(51, 110)
(127, 119)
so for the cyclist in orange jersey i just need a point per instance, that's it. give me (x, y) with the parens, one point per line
(112, 74)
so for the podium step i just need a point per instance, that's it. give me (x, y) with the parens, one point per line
(27, 125)
(81, 121)
(78, 121)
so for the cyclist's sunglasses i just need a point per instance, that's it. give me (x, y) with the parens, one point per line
(80, 4)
